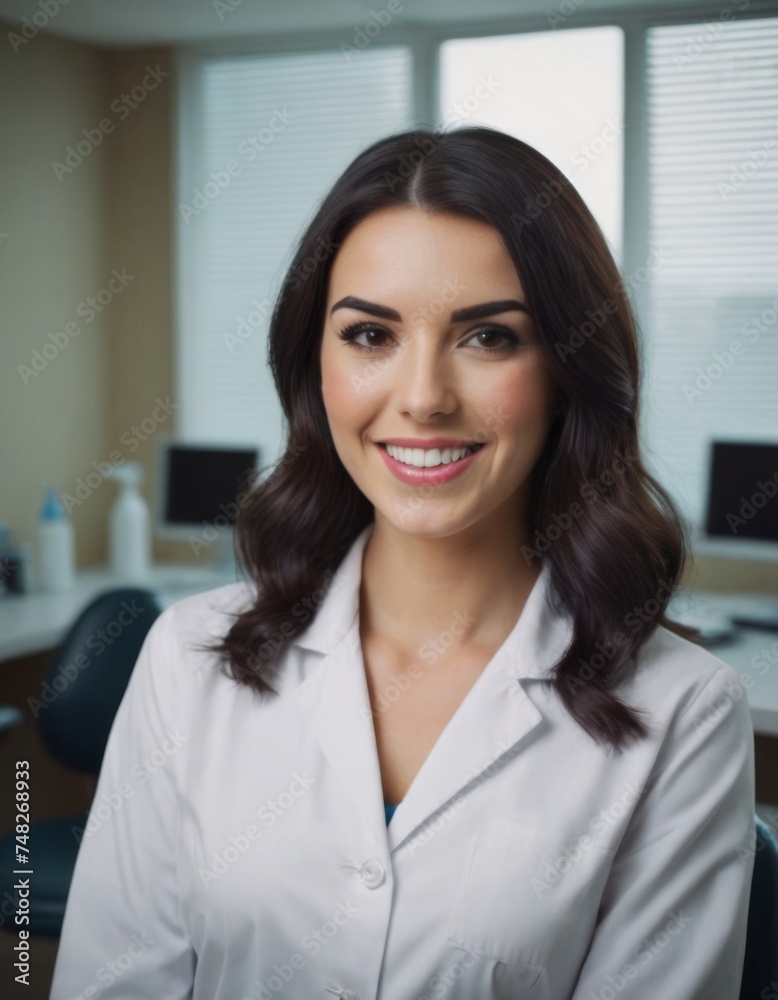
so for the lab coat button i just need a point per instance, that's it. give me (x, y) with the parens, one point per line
(373, 873)
(348, 995)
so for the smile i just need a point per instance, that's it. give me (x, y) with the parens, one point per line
(429, 458)
(428, 466)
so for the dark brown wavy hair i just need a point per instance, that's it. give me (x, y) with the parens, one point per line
(611, 534)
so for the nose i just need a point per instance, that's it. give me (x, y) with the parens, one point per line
(424, 382)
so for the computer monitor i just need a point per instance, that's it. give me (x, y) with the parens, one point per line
(740, 519)
(741, 503)
(199, 490)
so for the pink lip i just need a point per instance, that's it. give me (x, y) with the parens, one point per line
(426, 477)
(428, 442)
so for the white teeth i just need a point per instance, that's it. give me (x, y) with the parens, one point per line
(427, 458)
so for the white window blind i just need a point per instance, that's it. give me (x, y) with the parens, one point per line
(262, 139)
(712, 307)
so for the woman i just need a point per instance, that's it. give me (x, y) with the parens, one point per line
(459, 574)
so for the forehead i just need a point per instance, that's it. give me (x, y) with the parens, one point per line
(403, 248)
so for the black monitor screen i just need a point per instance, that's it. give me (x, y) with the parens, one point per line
(743, 491)
(204, 483)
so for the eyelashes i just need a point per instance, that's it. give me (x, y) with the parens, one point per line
(350, 332)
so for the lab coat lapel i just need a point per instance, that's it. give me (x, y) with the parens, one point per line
(335, 703)
(496, 719)
(493, 718)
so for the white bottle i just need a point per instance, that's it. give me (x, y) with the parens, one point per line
(130, 527)
(56, 546)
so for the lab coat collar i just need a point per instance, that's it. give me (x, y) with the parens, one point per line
(494, 717)
(539, 636)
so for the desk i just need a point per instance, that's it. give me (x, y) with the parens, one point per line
(751, 652)
(34, 622)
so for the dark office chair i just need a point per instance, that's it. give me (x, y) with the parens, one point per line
(84, 685)
(760, 968)
(10, 717)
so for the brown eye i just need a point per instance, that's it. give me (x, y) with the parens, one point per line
(496, 331)
(354, 330)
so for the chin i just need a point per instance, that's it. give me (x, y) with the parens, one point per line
(425, 524)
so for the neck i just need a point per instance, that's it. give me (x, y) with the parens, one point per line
(469, 587)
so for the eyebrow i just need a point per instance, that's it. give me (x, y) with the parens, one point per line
(458, 316)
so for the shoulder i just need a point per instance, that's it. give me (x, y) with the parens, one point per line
(200, 619)
(677, 678)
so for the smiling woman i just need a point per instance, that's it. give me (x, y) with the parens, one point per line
(442, 372)
(488, 765)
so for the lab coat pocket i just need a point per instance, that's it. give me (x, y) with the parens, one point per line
(528, 894)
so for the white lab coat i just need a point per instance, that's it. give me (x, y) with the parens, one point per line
(237, 848)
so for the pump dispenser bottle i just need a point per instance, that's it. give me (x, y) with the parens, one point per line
(130, 530)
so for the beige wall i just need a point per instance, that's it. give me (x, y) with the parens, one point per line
(51, 260)
(66, 233)
(139, 203)
(114, 211)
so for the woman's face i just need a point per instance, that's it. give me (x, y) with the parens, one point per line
(412, 370)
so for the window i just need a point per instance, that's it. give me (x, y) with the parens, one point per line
(520, 84)
(712, 308)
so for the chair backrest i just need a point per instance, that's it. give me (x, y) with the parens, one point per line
(88, 675)
(760, 968)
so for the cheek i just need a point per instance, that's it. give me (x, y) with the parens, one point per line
(519, 401)
(349, 393)
(337, 389)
